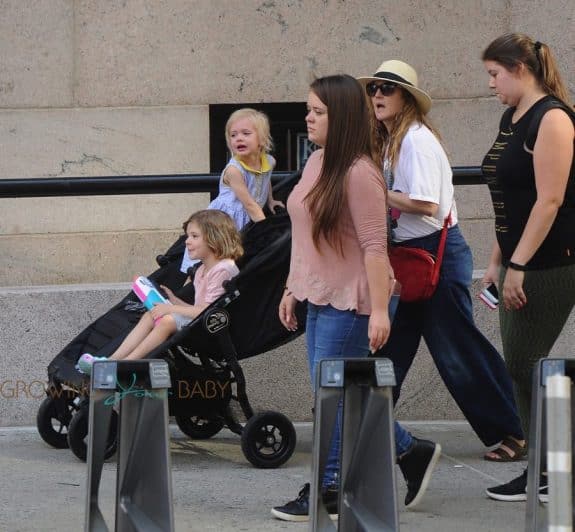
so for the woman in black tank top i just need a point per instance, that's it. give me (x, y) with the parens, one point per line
(530, 173)
(509, 171)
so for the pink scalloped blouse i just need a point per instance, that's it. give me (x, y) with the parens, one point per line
(325, 277)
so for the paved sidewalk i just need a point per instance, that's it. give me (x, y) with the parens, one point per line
(215, 489)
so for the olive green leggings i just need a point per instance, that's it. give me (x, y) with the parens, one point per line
(528, 334)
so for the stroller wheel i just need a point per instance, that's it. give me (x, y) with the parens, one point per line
(199, 428)
(52, 421)
(268, 439)
(78, 433)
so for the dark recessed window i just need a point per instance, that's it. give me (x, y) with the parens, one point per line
(288, 129)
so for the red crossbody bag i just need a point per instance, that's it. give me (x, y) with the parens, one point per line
(417, 269)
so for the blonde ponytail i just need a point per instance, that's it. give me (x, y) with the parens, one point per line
(551, 80)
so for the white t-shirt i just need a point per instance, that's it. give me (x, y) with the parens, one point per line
(424, 173)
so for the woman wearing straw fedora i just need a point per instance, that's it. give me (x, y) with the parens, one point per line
(421, 204)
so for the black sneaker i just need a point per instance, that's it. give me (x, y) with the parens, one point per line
(417, 465)
(298, 509)
(543, 489)
(516, 489)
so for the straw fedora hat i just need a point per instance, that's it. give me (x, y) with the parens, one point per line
(405, 76)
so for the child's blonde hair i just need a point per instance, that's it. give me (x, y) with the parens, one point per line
(261, 125)
(219, 232)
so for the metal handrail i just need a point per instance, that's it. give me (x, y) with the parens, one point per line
(154, 184)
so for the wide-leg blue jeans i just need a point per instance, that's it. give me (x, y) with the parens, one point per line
(333, 333)
(471, 368)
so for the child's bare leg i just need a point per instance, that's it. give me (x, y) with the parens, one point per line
(135, 338)
(160, 333)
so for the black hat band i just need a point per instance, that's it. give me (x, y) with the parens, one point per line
(393, 77)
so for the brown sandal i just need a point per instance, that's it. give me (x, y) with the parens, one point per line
(509, 450)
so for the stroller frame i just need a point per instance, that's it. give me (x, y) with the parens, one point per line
(268, 438)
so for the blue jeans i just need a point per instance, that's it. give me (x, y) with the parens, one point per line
(332, 333)
(471, 368)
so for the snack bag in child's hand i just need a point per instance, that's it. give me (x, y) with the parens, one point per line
(147, 292)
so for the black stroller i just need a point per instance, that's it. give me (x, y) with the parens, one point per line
(242, 323)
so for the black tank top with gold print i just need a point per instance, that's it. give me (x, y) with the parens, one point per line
(509, 173)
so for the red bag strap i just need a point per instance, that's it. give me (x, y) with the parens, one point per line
(441, 247)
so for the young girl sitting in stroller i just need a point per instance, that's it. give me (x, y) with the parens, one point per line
(212, 239)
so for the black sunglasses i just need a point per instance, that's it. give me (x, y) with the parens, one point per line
(387, 88)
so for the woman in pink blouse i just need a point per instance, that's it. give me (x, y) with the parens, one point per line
(339, 263)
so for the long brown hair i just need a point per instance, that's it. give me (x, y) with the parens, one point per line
(514, 49)
(347, 140)
(386, 144)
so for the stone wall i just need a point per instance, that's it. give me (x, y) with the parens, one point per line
(42, 320)
(90, 87)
